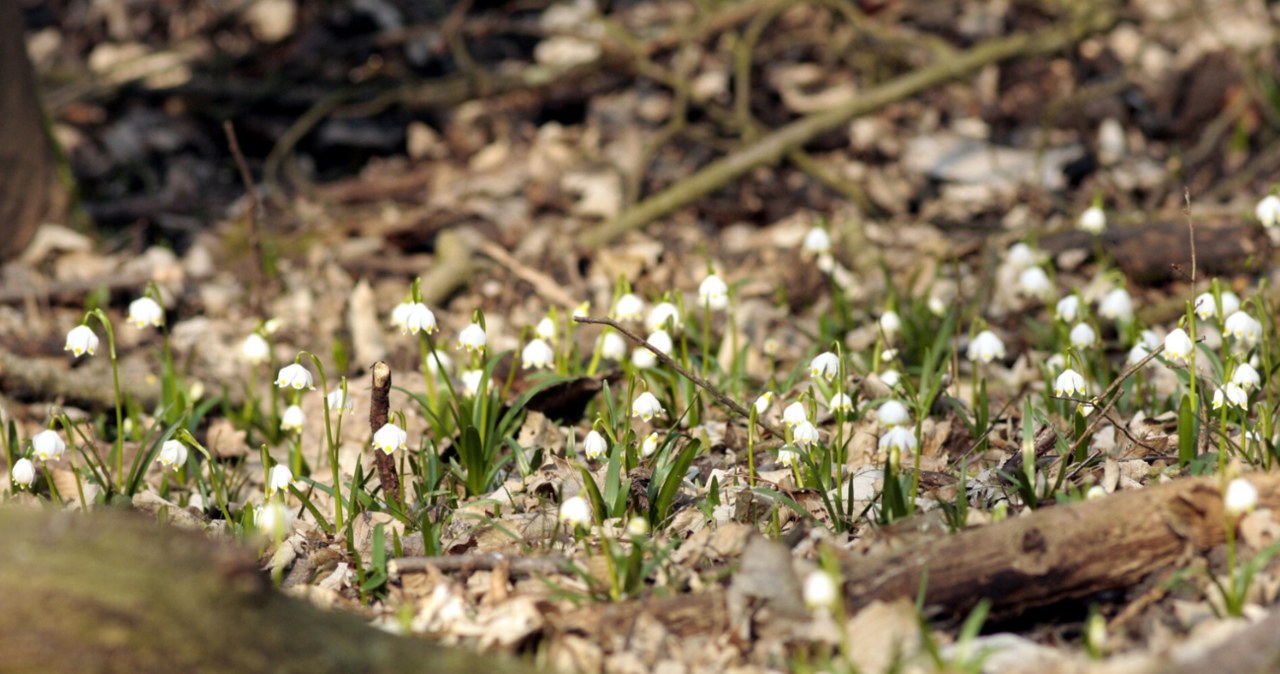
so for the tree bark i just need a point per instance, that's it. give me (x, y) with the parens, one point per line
(114, 592)
(26, 162)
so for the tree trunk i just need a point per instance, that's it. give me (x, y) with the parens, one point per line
(26, 162)
(109, 592)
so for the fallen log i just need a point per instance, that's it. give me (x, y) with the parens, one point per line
(1049, 557)
(114, 592)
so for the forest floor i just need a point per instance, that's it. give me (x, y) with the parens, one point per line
(956, 321)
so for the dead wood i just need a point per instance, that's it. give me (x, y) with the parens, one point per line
(113, 592)
(1054, 555)
(1051, 556)
(379, 407)
(26, 163)
(773, 147)
(1159, 252)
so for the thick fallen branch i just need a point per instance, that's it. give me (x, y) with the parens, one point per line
(84, 593)
(1055, 555)
(773, 147)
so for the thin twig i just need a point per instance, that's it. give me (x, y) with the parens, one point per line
(255, 207)
(724, 400)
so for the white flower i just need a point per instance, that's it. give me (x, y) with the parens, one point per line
(1268, 210)
(472, 338)
(983, 348)
(763, 402)
(1149, 339)
(1116, 306)
(418, 318)
(825, 365)
(1083, 336)
(81, 340)
(650, 444)
(1068, 308)
(595, 445)
(255, 349)
(471, 382)
(770, 346)
(1246, 377)
(575, 512)
(295, 376)
(1206, 306)
(794, 414)
(899, 438)
(1244, 327)
(400, 315)
(1095, 492)
(937, 306)
(293, 419)
(1178, 346)
(890, 378)
(890, 323)
(646, 406)
(47, 445)
(661, 341)
(1241, 497)
(279, 479)
(1021, 256)
(1033, 282)
(1231, 394)
(273, 519)
(445, 361)
(817, 241)
(840, 403)
(338, 401)
(788, 457)
(145, 311)
(173, 454)
(582, 310)
(820, 590)
(629, 307)
(23, 473)
(1070, 383)
(1137, 353)
(537, 354)
(612, 346)
(893, 413)
(545, 329)
(389, 438)
(713, 293)
(643, 358)
(1093, 220)
(806, 434)
(662, 315)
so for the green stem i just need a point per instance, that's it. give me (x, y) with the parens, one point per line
(118, 450)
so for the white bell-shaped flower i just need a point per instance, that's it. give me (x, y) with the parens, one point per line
(1268, 210)
(1246, 377)
(81, 340)
(612, 346)
(296, 377)
(646, 406)
(575, 512)
(794, 414)
(537, 354)
(1243, 327)
(145, 311)
(1034, 282)
(279, 478)
(664, 315)
(840, 402)
(983, 348)
(1240, 498)
(1083, 336)
(763, 402)
(1093, 220)
(825, 365)
(893, 413)
(1178, 346)
(1117, 306)
(1070, 383)
(1068, 308)
(817, 241)
(595, 446)
(173, 454)
(472, 338)
(418, 318)
(23, 474)
(650, 445)
(47, 445)
(389, 438)
(713, 293)
(255, 349)
(805, 434)
(293, 419)
(629, 307)
(338, 401)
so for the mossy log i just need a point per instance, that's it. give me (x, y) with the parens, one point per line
(112, 592)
